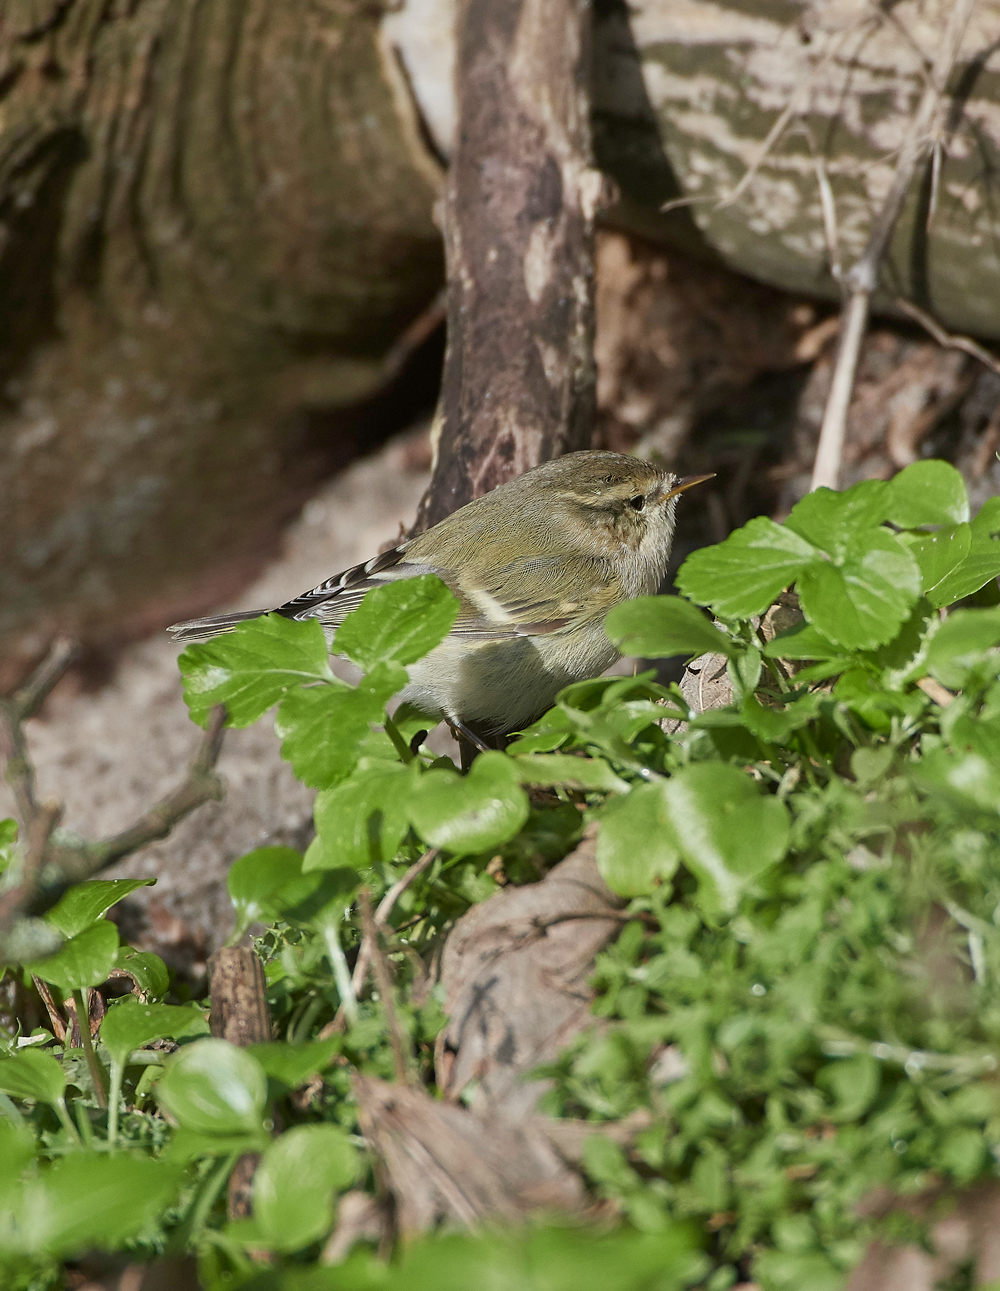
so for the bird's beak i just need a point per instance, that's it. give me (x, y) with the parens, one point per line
(688, 482)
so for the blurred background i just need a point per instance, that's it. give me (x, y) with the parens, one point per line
(222, 323)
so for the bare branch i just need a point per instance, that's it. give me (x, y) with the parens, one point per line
(51, 866)
(383, 981)
(862, 279)
(945, 339)
(33, 693)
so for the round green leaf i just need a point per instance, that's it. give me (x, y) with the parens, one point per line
(85, 1201)
(85, 903)
(399, 622)
(861, 602)
(636, 845)
(960, 643)
(295, 1181)
(293, 1064)
(362, 821)
(131, 1024)
(727, 830)
(256, 881)
(938, 554)
(252, 667)
(659, 627)
(929, 492)
(742, 576)
(147, 970)
(471, 813)
(213, 1087)
(980, 565)
(829, 520)
(33, 1074)
(84, 960)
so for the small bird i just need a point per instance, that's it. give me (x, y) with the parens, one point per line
(536, 565)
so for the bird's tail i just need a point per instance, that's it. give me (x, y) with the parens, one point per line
(216, 625)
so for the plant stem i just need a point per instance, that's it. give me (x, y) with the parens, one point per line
(400, 745)
(214, 1184)
(61, 1111)
(93, 1062)
(341, 972)
(114, 1098)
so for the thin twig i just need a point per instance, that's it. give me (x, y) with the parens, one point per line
(384, 983)
(55, 865)
(862, 279)
(750, 174)
(934, 690)
(385, 908)
(97, 1075)
(39, 685)
(945, 339)
(55, 1017)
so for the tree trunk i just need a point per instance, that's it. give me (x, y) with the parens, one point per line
(518, 384)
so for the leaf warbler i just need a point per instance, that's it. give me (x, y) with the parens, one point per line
(536, 565)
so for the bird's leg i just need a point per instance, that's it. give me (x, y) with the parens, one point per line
(470, 743)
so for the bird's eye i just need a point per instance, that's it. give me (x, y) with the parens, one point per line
(637, 503)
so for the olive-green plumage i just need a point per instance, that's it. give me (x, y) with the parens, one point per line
(536, 566)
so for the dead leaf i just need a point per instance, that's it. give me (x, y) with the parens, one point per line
(442, 1163)
(515, 973)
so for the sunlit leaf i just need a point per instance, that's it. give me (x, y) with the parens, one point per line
(743, 575)
(463, 814)
(398, 623)
(252, 667)
(84, 960)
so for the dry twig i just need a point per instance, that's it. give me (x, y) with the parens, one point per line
(51, 863)
(945, 339)
(862, 279)
(383, 981)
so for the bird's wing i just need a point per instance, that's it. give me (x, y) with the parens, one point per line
(517, 600)
(527, 597)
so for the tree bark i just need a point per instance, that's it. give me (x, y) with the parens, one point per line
(240, 1015)
(518, 383)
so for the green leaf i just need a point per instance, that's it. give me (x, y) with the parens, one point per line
(33, 1074)
(86, 1201)
(830, 520)
(472, 813)
(8, 842)
(658, 627)
(256, 881)
(862, 602)
(362, 821)
(130, 1024)
(294, 1185)
(742, 576)
(938, 554)
(969, 780)
(636, 845)
(187, 1145)
(802, 641)
(928, 492)
(252, 667)
(728, 832)
(398, 623)
(85, 903)
(213, 1087)
(84, 960)
(148, 970)
(322, 727)
(566, 769)
(980, 565)
(293, 1064)
(960, 644)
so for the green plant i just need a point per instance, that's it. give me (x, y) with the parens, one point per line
(804, 1008)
